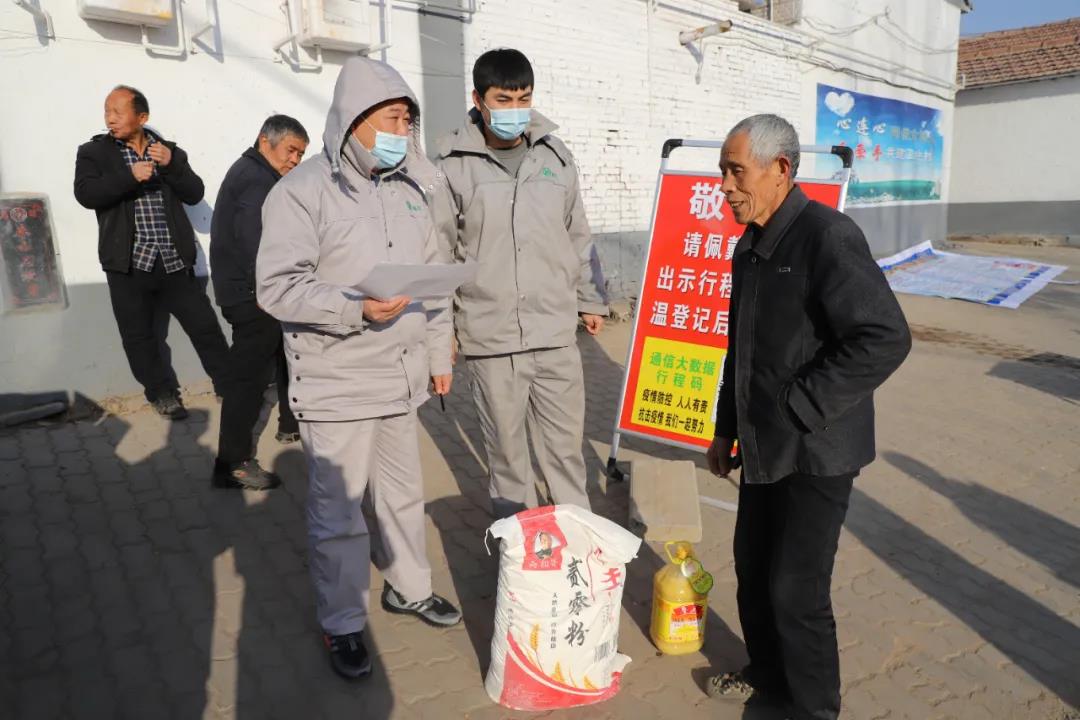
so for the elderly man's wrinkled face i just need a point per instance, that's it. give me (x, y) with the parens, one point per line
(753, 190)
(284, 156)
(120, 116)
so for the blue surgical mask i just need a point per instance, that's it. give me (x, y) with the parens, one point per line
(389, 149)
(509, 124)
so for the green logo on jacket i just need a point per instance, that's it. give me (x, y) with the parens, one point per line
(546, 172)
(412, 208)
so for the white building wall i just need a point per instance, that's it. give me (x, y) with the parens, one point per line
(611, 73)
(1013, 143)
(1014, 161)
(211, 103)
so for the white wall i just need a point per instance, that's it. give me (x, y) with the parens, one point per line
(611, 73)
(1015, 160)
(1016, 143)
(212, 104)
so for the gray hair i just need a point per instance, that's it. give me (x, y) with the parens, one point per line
(771, 136)
(277, 127)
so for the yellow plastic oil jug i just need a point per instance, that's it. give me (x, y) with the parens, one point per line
(680, 601)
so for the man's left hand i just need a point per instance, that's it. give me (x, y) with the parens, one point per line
(593, 323)
(160, 153)
(441, 384)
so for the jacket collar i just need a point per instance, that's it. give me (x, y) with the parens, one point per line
(106, 137)
(257, 157)
(470, 139)
(769, 236)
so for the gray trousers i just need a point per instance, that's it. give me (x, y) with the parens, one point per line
(346, 532)
(542, 391)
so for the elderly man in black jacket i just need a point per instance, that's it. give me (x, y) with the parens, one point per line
(257, 345)
(815, 330)
(138, 183)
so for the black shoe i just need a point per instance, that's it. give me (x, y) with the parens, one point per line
(169, 406)
(734, 686)
(248, 475)
(348, 656)
(434, 610)
(287, 438)
(730, 686)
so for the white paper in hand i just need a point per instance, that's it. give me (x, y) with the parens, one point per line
(418, 282)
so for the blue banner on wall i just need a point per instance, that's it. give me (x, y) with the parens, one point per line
(898, 145)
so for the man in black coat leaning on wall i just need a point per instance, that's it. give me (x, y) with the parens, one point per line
(815, 330)
(138, 183)
(257, 345)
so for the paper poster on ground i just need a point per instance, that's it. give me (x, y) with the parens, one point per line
(1000, 281)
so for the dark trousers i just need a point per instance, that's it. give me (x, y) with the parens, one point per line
(257, 353)
(786, 535)
(137, 297)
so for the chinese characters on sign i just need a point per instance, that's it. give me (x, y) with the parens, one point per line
(684, 313)
(898, 145)
(30, 276)
(678, 387)
(683, 317)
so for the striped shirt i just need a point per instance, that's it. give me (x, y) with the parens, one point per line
(151, 226)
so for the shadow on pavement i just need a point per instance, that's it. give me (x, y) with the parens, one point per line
(1045, 538)
(462, 520)
(135, 590)
(1037, 640)
(1053, 374)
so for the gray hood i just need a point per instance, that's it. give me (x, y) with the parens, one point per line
(362, 84)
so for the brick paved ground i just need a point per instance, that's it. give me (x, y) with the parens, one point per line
(131, 589)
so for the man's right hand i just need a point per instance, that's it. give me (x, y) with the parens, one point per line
(380, 311)
(143, 171)
(719, 456)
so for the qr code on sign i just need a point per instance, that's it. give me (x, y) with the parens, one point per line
(602, 651)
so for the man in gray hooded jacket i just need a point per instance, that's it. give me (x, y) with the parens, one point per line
(520, 217)
(360, 366)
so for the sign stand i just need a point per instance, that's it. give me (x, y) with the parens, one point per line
(674, 364)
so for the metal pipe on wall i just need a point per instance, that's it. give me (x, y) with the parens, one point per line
(181, 37)
(39, 14)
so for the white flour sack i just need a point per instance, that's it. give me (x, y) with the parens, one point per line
(561, 576)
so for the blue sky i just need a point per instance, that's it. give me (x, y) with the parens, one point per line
(990, 15)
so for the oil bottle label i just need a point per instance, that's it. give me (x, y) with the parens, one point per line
(680, 623)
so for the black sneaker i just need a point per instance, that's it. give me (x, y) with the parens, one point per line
(435, 610)
(348, 656)
(287, 438)
(248, 475)
(170, 406)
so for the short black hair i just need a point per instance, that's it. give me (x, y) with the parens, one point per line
(138, 100)
(276, 127)
(503, 68)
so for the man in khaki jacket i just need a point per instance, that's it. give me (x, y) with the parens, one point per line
(360, 366)
(520, 216)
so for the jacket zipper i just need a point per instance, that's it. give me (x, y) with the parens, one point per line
(382, 208)
(377, 182)
(517, 251)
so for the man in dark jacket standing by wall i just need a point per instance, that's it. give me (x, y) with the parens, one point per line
(138, 183)
(815, 330)
(257, 344)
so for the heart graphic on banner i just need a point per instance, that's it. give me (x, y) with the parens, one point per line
(839, 104)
